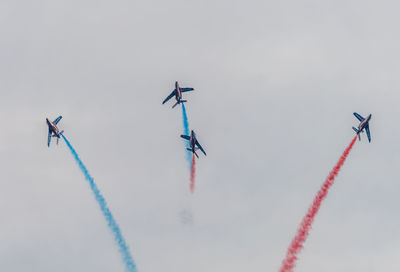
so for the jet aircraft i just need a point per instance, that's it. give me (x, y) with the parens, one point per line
(53, 130)
(177, 92)
(194, 144)
(363, 125)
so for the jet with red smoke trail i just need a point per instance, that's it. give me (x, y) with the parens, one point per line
(193, 143)
(177, 92)
(53, 130)
(364, 125)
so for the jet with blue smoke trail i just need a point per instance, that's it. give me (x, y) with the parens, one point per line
(112, 224)
(53, 130)
(193, 143)
(177, 92)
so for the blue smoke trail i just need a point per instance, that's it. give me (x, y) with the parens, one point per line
(186, 132)
(185, 121)
(112, 224)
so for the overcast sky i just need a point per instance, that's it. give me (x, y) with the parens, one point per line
(276, 85)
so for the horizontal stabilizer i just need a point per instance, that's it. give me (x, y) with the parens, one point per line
(187, 89)
(185, 137)
(358, 133)
(191, 150)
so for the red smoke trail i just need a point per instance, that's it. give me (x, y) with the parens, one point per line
(192, 174)
(302, 232)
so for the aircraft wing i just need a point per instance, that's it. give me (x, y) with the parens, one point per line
(187, 89)
(202, 150)
(49, 138)
(185, 137)
(368, 133)
(359, 117)
(57, 120)
(169, 97)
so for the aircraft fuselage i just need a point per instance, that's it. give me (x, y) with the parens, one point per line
(364, 123)
(193, 140)
(178, 92)
(53, 128)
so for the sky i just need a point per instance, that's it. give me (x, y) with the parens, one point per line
(276, 83)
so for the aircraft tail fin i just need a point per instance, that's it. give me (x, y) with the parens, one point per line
(183, 101)
(358, 133)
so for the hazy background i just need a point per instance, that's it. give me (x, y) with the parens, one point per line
(276, 85)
